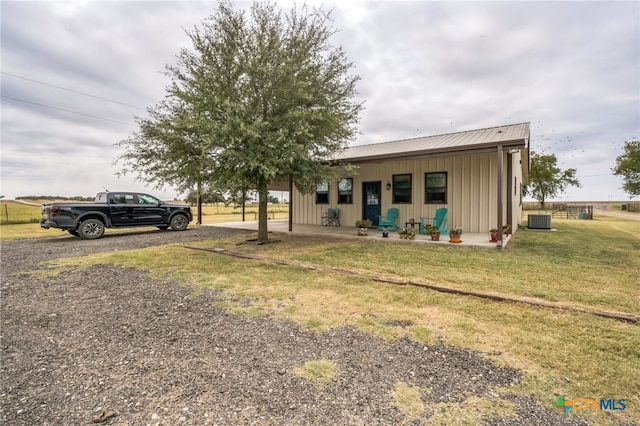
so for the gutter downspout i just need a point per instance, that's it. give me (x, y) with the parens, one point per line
(499, 198)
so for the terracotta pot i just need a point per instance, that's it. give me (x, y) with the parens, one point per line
(455, 240)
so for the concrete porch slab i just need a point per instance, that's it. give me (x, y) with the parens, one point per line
(468, 239)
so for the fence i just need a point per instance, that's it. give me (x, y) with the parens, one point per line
(12, 212)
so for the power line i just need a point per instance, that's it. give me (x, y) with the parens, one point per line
(66, 110)
(71, 90)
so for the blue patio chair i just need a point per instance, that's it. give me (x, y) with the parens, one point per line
(440, 221)
(389, 221)
(331, 217)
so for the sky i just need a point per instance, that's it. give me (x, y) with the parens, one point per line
(76, 74)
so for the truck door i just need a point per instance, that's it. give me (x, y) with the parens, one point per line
(149, 210)
(122, 209)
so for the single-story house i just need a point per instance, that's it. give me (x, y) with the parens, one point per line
(477, 175)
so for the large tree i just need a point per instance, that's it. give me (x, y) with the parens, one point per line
(170, 149)
(268, 96)
(547, 179)
(628, 167)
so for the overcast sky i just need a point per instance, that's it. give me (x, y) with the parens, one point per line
(571, 69)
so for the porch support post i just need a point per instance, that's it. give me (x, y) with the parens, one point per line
(290, 204)
(499, 198)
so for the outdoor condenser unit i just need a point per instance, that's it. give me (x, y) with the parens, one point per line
(539, 221)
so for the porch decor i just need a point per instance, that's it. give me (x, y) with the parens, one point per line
(389, 221)
(407, 233)
(434, 231)
(439, 221)
(363, 226)
(455, 234)
(331, 217)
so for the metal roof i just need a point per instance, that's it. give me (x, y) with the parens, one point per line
(512, 135)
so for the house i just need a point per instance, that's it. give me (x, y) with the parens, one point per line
(477, 175)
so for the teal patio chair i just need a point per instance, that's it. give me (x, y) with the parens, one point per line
(440, 221)
(389, 221)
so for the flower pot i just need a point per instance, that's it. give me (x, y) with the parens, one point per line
(385, 234)
(435, 236)
(455, 240)
(362, 232)
(494, 237)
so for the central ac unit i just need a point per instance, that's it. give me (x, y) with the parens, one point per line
(539, 221)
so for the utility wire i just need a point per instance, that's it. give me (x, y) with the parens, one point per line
(66, 110)
(71, 90)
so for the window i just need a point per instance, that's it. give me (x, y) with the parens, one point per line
(345, 191)
(147, 199)
(322, 193)
(402, 189)
(435, 188)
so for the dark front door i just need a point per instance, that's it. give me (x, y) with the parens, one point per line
(371, 201)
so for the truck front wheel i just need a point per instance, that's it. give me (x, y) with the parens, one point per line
(179, 222)
(91, 229)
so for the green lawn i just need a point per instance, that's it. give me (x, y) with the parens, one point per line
(588, 264)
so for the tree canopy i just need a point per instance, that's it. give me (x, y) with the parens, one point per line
(547, 179)
(261, 96)
(628, 167)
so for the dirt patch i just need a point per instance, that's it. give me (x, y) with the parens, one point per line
(111, 344)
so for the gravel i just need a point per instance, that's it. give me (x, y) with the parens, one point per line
(110, 345)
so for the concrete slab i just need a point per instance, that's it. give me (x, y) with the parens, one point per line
(468, 239)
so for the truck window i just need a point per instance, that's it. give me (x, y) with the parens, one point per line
(147, 199)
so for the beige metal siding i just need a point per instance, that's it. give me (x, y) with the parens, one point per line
(471, 192)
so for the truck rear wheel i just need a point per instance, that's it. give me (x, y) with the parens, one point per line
(91, 229)
(179, 222)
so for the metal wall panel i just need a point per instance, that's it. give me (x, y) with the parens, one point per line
(471, 192)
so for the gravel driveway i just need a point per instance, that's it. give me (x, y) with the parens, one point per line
(113, 346)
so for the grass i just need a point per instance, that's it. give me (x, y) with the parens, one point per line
(589, 264)
(319, 372)
(408, 399)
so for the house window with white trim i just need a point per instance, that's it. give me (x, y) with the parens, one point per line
(345, 191)
(435, 185)
(322, 193)
(402, 189)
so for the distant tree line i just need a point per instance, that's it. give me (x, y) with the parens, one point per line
(212, 197)
(55, 197)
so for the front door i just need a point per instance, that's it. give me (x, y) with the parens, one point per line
(371, 201)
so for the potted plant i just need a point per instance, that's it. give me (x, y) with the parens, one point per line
(454, 234)
(407, 233)
(494, 235)
(434, 231)
(506, 229)
(362, 226)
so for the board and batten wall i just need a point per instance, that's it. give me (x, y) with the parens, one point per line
(471, 192)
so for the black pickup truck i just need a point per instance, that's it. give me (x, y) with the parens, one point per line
(114, 210)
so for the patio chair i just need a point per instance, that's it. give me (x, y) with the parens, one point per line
(389, 221)
(331, 217)
(440, 221)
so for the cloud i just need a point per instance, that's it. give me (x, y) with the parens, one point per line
(570, 68)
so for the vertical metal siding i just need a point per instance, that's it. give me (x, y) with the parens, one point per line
(471, 192)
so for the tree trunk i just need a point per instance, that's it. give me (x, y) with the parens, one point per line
(263, 195)
(199, 202)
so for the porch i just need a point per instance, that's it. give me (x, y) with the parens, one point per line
(468, 239)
